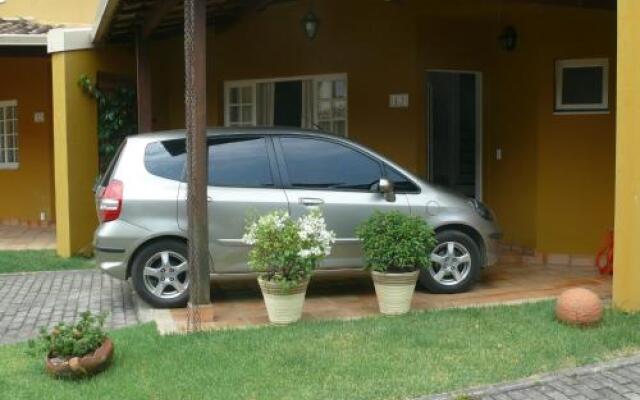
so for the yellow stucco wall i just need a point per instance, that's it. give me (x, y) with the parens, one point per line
(76, 141)
(28, 80)
(52, 11)
(626, 277)
(553, 189)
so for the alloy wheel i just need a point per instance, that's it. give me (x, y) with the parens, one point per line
(450, 263)
(165, 274)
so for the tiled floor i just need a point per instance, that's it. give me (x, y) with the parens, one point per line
(238, 303)
(27, 238)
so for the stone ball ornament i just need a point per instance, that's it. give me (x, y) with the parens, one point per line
(579, 307)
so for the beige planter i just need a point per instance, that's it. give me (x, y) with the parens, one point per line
(394, 291)
(283, 306)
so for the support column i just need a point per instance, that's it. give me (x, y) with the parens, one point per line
(195, 50)
(143, 88)
(626, 275)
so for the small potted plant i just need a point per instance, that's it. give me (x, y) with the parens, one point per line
(284, 253)
(77, 350)
(396, 246)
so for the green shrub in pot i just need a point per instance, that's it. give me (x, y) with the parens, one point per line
(396, 246)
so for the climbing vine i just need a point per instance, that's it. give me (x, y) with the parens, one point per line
(117, 117)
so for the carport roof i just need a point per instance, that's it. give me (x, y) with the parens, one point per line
(23, 32)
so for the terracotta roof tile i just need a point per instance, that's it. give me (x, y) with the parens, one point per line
(23, 26)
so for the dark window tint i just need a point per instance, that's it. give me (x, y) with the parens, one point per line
(313, 163)
(239, 162)
(582, 85)
(166, 159)
(401, 183)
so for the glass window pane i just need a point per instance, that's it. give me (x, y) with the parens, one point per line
(166, 159)
(11, 126)
(234, 95)
(1, 113)
(247, 94)
(313, 163)
(11, 143)
(239, 162)
(325, 126)
(324, 90)
(15, 156)
(2, 123)
(339, 109)
(247, 114)
(339, 89)
(234, 114)
(2, 155)
(339, 128)
(401, 183)
(582, 85)
(14, 112)
(324, 110)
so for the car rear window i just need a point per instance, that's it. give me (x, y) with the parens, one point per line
(166, 159)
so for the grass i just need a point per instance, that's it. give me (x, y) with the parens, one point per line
(375, 358)
(39, 260)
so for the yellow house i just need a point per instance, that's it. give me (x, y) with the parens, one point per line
(517, 102)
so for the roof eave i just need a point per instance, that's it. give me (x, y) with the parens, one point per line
(23, 39)
(106, 11)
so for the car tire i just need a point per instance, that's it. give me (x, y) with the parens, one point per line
(159, 274)
(453, 250)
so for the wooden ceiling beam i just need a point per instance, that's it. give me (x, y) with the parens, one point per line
(156, 14)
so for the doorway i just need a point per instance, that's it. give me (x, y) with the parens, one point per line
(454, 145)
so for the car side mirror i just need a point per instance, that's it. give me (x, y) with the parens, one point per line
(385, 187)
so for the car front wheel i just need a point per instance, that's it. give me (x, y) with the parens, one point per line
(455, 264)
(159, 274)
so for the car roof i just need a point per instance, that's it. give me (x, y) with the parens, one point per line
(180, 133)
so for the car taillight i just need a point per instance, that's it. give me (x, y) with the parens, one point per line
(111, 201)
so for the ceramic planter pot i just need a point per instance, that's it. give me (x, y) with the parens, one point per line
(394, 291)
(284, 306)
(79, 367)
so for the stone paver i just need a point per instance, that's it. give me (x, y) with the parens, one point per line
(32, 300)
(613, 380)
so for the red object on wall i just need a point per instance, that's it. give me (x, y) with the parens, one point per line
(604, 258)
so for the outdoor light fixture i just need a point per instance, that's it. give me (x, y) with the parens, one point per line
(310, 25)
(508, 38)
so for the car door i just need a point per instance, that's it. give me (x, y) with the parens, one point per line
(243, 181)
(342, 181)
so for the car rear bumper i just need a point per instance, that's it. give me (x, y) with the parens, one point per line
(114, 243)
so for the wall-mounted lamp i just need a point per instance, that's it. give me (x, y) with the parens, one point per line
(310, 25)
(508, 38)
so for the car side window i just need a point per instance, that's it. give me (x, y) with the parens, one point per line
(401, 183)
(166, 159)
(239, 162)
(322, 164)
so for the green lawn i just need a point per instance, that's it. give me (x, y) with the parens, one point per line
(39, 260)
(376, 358)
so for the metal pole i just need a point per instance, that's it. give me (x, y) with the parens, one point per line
(195, 19)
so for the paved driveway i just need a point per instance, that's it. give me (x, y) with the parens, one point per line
(31, 300)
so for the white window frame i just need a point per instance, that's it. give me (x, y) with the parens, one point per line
(4, 148)
(227, 101)
(595, 108)
(228, 85)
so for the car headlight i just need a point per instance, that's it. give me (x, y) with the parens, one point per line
(481, 209)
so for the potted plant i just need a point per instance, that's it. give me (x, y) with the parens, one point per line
(396, 246)
(284, 253)
(77, 350)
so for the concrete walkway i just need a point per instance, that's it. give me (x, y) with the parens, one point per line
(16, 237)
(614, 380)
(31, 300)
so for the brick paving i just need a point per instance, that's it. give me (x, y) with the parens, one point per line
(32, 300)
(613, 380)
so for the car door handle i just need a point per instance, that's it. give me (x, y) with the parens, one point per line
(309, 201)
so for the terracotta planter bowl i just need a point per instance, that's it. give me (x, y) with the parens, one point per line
(580, 307)
(80, 367)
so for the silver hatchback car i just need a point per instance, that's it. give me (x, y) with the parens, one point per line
(141, 201)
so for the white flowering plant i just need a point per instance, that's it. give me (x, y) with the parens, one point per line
(287, 251)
